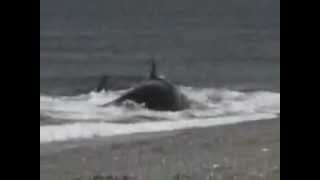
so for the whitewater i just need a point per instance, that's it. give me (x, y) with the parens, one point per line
(81, 116)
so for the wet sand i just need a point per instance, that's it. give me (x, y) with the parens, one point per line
(244, 151)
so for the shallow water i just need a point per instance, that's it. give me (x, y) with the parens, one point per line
(74, 117)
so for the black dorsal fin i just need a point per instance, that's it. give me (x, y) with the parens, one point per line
(153, 72)
(102, 83)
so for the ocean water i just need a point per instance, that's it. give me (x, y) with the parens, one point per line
(225, 56)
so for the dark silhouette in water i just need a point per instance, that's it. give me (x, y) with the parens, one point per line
(102, 83)
(155, 93)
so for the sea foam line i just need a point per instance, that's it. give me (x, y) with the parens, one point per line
(56, 133)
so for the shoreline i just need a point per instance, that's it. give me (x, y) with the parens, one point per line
(248, 150)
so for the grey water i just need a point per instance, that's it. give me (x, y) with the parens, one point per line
(205, 44)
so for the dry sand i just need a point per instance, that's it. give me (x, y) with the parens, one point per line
(245, 151)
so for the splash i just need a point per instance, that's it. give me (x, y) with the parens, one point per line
(83, 117)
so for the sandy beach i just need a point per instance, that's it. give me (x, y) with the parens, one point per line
(244, 151)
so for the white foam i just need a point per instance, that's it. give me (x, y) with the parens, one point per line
(211, 107)
(89, 130)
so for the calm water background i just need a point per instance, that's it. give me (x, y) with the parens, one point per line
(206, 43)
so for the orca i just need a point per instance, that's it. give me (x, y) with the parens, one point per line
(155, 93)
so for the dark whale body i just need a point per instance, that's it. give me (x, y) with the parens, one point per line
(156, 94)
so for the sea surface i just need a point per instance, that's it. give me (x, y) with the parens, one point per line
(225, 56)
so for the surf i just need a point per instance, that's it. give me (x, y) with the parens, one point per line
(82, 116)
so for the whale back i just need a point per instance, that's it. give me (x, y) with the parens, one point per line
(155, 93)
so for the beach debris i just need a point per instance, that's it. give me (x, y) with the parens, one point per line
(163, 161)
(215, 166)
(261, 175)
(265, 149)
(84, 159)
(180, 176)
(116, 158)
(111, 177)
